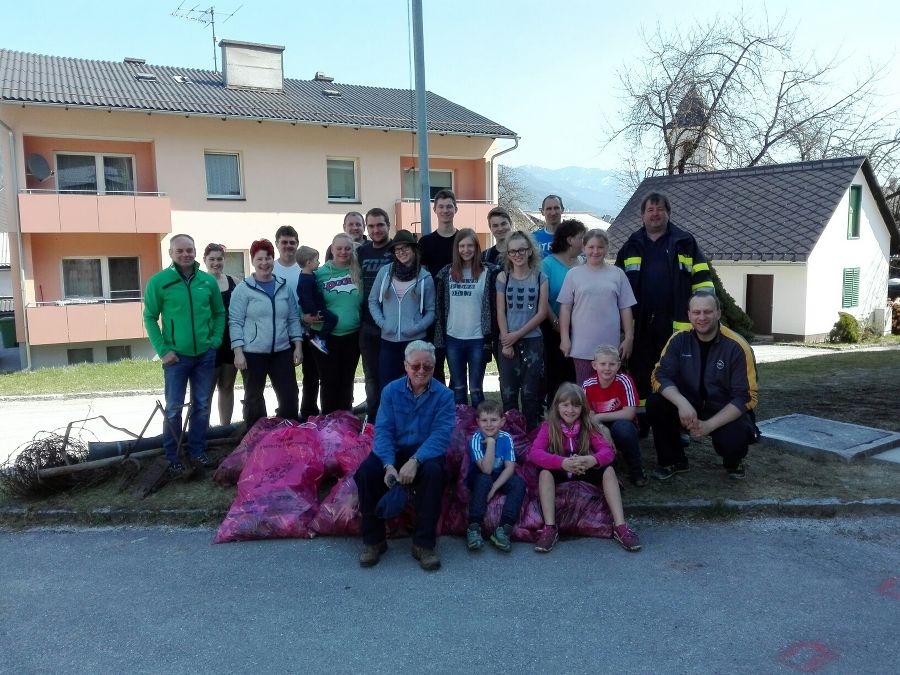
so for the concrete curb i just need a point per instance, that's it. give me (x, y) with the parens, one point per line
(700, 509)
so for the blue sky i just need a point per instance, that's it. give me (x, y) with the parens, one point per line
(548, 75)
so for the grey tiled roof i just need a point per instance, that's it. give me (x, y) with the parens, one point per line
(54, 80)
(773, 212)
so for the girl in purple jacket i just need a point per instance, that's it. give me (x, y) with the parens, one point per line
(569, 446)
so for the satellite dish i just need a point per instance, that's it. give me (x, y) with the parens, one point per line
(38, 167)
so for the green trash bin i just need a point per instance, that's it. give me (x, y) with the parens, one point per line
(8, 331)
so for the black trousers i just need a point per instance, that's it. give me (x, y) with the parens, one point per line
(309, 401)
(650, 336)
(428, 491)
(337, 369)
(730, 441)
(279, 367)
(369, 350)
(557, 368)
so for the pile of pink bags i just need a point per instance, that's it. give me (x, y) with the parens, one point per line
(282, 469)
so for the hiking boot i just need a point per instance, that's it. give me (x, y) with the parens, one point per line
(175, 470)
(319, 344)
(428, 559)
(638, 477)
(474, 542)
(666, 472)
(736, 472)
(204, 461)
(547, 540)
(500, 538)
(371, 554)
(627, 537)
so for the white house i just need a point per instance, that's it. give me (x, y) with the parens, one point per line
(794, 244)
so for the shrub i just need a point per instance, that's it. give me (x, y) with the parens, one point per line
(895, 317)
(732, 315)
(846, 329)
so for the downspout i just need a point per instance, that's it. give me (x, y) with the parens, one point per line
(14, 176)
(495, 156)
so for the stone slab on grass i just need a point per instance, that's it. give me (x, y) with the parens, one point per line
(817, 436)
(892, 456)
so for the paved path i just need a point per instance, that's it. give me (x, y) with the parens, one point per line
(21, 419)
(762, 596)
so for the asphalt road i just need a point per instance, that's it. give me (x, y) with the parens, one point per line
(761, 596)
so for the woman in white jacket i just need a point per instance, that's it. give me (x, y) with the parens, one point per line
(264, 321)
(402, 305)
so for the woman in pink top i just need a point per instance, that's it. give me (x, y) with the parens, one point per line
(569, 446)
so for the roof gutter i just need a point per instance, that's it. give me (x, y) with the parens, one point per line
(248, 118)
(495, 156)
(14, 198)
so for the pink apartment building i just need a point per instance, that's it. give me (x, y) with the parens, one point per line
(101, 162)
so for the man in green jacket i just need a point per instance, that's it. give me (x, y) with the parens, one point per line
(184, 317)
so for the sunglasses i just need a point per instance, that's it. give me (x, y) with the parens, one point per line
(424, 367)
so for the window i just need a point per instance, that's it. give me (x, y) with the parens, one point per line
(853, 215)
(82, 355)
(101, 278)
(95, 174)
(117, 353)
(437, 180)
(850, 296)
(234, 264)
(223, 175)
(342, 180)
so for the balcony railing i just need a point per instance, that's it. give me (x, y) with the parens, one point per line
(85, 211)
(85, 320)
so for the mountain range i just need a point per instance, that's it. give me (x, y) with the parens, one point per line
(595, 191)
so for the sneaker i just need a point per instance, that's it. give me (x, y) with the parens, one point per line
(204, 461)
(500, 538)
(428, 559)
(319, 344)
(736, 472)
(638, 477)
(371, 554)
(547, 540)
(627, 537)
(666, 472)
(474, 542)
(175, 470)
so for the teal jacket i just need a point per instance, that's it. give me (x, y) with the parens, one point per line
(193, 316)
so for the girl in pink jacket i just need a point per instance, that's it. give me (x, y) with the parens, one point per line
(569, 446)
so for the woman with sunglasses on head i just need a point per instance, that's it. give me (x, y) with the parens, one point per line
(521, 307)
(465, 308)
(226, 373)
(401, 304)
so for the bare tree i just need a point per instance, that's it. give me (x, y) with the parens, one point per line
(730, 94)
(513, 196)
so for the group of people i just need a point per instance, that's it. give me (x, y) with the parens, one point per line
(560, 321)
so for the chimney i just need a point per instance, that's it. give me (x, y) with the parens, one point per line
(247, 65)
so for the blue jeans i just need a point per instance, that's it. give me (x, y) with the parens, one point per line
(626, 436)
(200, 371)
(480, 484)
(463, 356)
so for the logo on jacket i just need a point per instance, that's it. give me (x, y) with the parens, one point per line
(720, 364)
(343, 285)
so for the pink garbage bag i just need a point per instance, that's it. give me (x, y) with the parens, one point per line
(230, 469)
(339, 512)
(277, 490)
(344, 444)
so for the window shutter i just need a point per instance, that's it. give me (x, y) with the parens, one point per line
(851, 288)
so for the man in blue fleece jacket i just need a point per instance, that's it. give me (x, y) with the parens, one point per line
(412, 432)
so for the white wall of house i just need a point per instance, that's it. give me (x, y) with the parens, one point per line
(6, 287)
(46, 356)
(834, 252)
(788, 293)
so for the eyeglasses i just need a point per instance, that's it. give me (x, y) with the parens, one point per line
(517, 251)
(424, 367)
(402, 248)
